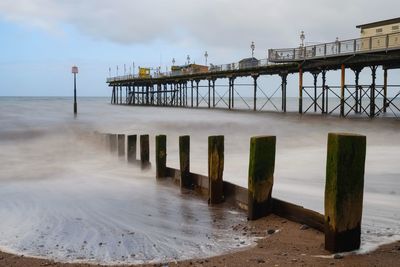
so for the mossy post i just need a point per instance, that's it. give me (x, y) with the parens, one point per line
(121, 145)
(113, 143)
(144, 149)
(344, 191)
(261, 175)
(215, 169)
(131, 148)
(161, 156)
(184, 161)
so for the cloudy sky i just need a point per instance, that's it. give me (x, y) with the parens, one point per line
(42, 39)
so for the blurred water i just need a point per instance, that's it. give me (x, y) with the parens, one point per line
(58, 190)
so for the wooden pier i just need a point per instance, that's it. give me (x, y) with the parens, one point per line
(184, 89)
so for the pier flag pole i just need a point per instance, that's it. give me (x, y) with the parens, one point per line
(75, 71)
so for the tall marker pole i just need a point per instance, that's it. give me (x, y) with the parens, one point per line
(75, 71)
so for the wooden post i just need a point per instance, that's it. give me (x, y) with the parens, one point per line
(144, 149)
(184, 161)
(113, 143)
(121, 145)
(344, 191)
(131, 149)
(261, 175)
(342, 87)
(161, 156)
(215, 168)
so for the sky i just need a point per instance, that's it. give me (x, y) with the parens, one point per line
(41, 39)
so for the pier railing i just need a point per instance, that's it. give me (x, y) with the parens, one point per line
(347, 47)
(212, 69)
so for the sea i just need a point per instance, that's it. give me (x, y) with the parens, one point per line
(65, 197)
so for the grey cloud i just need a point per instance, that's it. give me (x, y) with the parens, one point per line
(222, 24)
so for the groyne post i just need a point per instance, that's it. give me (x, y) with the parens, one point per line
(215, 168)
(113, 142)
(121, 145)
(344, 191)
(144, 149)
(161, 156)
(261, 176)
(131, 149)
(184, 161)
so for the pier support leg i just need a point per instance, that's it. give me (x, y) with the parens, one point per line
(121, 145)
(261, 175)
(184, 161)
(191, 93)
(342, 88)
(301, 91)
(113, 95)
(209, 93)
(233, 93)
(315, 76)
(144, 149)
(131, 148)
(161, 156)
(230, 93)
(323, 91)
(215, 168)
(197, 93)
(385, 82)
(213, 90)
(358, 89)
(344, 191)
(372, 92)
(255, 77)
(284, 85)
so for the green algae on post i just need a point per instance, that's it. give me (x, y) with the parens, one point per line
(344, 191)
(261, 176)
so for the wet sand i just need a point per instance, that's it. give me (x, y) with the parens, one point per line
(289, 244)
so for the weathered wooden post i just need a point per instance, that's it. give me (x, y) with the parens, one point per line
(215, 168)
(261, 175)
(344, 191)
(184, 161)
(121, 145)
(113, 142)
(161, 156)
(131, 148)
(144, 149)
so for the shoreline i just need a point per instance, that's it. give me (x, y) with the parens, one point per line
(282, 243)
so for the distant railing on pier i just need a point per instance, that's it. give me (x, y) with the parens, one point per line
(213, 68)
(337, 48)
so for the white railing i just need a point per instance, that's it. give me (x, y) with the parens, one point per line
(212, 69)
(337, 48)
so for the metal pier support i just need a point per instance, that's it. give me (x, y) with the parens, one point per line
(342, 88)
(300, 90)
(255, 77)
(385, 81)
(372, 92)
(324, 109)
(284, 85)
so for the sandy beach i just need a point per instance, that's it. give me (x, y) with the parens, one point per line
(283, 243)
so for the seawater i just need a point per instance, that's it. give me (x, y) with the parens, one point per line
(63, 197)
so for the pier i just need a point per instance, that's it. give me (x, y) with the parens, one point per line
(196, 88)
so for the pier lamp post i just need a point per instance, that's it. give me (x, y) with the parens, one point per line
(109, 72)
(302, 38)
(75, 71)
(206, 56)
(252, 46)
(133, 68)
(173, 61)
(188, 59)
